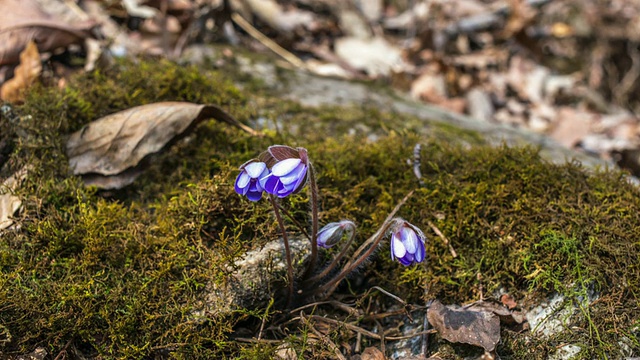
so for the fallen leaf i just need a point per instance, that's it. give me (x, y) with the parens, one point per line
(10, 203)
(459, 325)
(508, 301)
(375, 56)
(372, 353)
(572, 126)
(508, 316)
(22, 21)
(111, 152)
(24, 76)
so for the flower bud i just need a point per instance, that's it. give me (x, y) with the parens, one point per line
(332, 233)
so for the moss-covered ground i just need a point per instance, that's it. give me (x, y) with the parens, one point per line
(120, 274)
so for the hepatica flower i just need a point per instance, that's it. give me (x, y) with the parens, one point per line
(331, 233)
(288, 170)
(407, 244)
(248, 182)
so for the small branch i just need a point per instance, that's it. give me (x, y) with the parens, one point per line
(270, 44)
(367, 332)
(444, 238)
(324, 338)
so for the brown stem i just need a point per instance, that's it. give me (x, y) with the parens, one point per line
(357, 259)
(287, 250)
(314, 223)
(328, 288)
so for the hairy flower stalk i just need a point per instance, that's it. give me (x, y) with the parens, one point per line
(363, 252)
(331, 233)
(281, 171)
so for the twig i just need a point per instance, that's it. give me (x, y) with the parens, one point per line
(324, 338)
(264, 319)
(444, 238)
(621, 92)
(253, 341)
(367, 332)
(244, 24)
(63, 351)
(425, 324)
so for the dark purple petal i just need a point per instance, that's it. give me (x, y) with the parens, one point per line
(404, 262)
(254, 195)
(420, 252)
(241, 190)
(270, 183)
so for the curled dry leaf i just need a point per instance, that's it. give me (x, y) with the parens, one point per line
(22, 21)
(10, 203)
(24, 76)
(459, 325)
(111, 152)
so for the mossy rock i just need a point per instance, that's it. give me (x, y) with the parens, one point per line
(121, 274)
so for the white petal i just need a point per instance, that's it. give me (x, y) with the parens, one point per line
(285, 166)
(410, 240)
(398, 247)
(243, 180)
(255, 169)
(294, 175)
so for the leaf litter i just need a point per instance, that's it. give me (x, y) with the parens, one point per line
(112, 152)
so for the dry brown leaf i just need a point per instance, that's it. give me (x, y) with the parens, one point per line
(372, 353)
(572, 126)
(10, 203)
(22, 21)
(111, 152)
(508, 301)
(516, 320)
(454, 324)
(24, 76)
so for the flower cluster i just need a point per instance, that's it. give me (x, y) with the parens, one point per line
(280, 171)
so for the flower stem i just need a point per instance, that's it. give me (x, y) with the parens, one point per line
(314, 223)
(287, 250)
(357, 259)
(370, 245)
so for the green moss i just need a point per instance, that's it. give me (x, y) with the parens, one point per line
(122, 274)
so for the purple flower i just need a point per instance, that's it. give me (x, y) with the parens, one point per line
(288, 170)
(407, 244)
(247, 182)
(331, 233)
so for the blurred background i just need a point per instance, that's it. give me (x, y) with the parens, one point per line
(567, 69)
